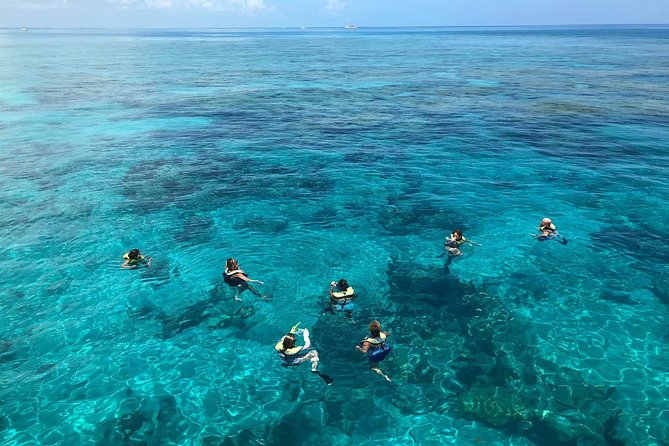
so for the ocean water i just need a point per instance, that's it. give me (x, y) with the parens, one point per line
(311, 155)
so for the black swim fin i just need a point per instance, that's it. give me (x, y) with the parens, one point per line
(564, 241)
(328, 380)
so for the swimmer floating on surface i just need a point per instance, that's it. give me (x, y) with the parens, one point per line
(452, 246)
(376, 347)
(134, 259)
(341, 297)
(293, 355)
(236, 277)
(549, 232)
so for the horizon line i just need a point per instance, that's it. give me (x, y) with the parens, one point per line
(336, 27)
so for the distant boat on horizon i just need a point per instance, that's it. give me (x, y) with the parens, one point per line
(24, 29)
(351, 26)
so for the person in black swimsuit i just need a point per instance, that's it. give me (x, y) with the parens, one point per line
(236, 277)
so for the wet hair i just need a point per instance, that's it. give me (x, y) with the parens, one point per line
(134, 254)
(342, 284)
(231, 264)
(458, 232)
(375, 328)
(288, 341)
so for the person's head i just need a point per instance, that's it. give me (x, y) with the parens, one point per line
(342, 284)
(375, 328)
(546, 221)
(231, 264)
(288, 341)
(457, 233)
(134, 254)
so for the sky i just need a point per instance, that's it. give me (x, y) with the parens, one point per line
(318, 13)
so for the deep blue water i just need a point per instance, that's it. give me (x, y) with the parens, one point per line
(315, 154)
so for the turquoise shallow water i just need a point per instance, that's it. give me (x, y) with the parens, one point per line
(319, 154)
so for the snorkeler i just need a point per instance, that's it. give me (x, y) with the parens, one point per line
(293, 355)
(236, 277)
(549, 232)
(135, 259)
(452, 246)
(376, 347)
(341, 297)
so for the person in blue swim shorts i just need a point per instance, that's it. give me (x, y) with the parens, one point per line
(376, 347)
(341, 297)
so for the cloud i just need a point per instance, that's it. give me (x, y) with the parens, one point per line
(237, 6)
(38, 5)
(334, 6)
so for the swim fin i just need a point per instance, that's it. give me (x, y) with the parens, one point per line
(327, 378)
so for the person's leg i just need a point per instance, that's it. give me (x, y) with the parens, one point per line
(314, 360)
(452, 252)
(253, 290)
(560, 239)
(313, 357)
(375, 367)
(239, 289)
(348, 310)
(448, 262)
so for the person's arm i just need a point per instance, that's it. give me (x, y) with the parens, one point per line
(364, 348)
(147, 261)
(126, 264)
(332, 285)
(247, 279)
(307, 341)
